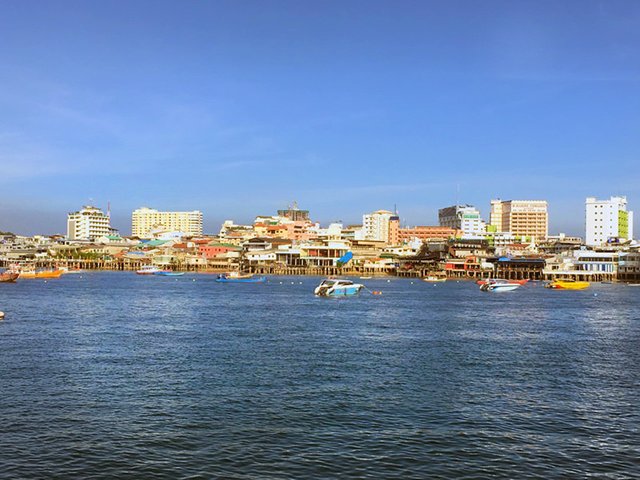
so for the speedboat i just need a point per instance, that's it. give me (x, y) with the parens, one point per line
(235, 277)
(337, 288)
(498, 285)
(519, 282)
(567, 285)
(148, 270)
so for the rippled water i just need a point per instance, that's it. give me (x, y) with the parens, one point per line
(112, 375)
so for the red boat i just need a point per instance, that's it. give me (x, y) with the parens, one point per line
(8, 277)
(519, 282)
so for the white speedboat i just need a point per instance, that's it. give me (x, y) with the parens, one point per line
(497, 285)
(337, 288)
(148, 270)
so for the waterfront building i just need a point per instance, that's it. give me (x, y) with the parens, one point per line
(607, 221)
(528, 218)
(326, 254)
(381, 226)
(145, 221)
(462, 217)
(599, 262)
(88, 224)
(629, 266)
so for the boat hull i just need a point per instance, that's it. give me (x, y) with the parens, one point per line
(45, 274)
(169, 274)
(343, 292)
(241, 280)
(564, 285)
(499, 286)
(8, 277)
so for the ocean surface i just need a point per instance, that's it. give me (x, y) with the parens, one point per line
(113, 375)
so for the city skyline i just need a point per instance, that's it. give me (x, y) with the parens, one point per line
(237, 110)
(123, 224)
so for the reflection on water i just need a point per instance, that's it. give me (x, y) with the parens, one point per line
(117, 375)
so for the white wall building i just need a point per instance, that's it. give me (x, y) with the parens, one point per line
(88, 224)
(145, 221)
(380, 226)
(607, 220)
(462, 217)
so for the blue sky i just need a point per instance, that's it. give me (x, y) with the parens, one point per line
(237, 108)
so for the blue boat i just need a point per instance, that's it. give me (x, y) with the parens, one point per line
(168, 273)
(239, 278)
(337, 288)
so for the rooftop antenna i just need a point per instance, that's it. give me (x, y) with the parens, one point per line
(109, 209)
(457, 194)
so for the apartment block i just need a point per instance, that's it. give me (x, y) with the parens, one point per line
(145, 221)
(607, 220)
(527, 218)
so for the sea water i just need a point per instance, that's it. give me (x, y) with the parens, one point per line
(114, 375)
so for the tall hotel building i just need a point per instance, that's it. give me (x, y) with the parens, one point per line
(527, 218)
(607, 219)
(144, 221)
(88, 224)
(381, 226)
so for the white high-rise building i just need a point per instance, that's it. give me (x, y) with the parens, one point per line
(462, 217)
(88, 224)
(381, 226)
(145, 221)
(607, 220)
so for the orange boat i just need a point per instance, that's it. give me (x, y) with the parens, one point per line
(41, 274)
(8, 277)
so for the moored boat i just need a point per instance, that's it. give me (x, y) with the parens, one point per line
(499, 285)
(8, 277)
(32, 273)
(567, 285)
(337, 288)
(168, 273)
(434, 278)
(148, 270)
(236, 277)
